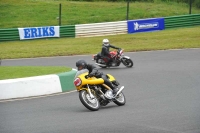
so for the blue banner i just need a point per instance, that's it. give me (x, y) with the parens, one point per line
(39, 32)
(144, 25)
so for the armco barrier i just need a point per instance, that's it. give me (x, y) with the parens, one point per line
(9, 34)
(106, 28)
(67, 31)
(37, 86)
(182, 21)
(101, 29)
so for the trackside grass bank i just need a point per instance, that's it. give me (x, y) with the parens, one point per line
(11, 72)
(35, 13)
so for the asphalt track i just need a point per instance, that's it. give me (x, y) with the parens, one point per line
(162, 92)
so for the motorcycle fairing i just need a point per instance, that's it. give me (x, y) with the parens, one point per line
(92, 80)
(110, 77)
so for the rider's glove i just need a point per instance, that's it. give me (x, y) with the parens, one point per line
(91, 75)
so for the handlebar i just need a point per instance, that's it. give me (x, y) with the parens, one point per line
(118, 51)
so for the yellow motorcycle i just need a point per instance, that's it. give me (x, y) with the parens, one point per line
(93, 93)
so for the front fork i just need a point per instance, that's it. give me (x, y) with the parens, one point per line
(92, 96)
(124, 58)
(89, 91)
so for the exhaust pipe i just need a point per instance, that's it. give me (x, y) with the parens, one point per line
(119, 91)
(100, 64)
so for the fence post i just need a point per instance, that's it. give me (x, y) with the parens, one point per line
(127, 9)
(190, 6)
(60, 15)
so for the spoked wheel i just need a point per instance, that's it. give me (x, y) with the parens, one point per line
(99, 61)
(90, 103)
(120, 99)
(127, 62)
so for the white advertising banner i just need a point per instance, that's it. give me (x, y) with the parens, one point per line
(39, 32)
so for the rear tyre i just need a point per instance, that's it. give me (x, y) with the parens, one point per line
(99, 61)
(90, 103)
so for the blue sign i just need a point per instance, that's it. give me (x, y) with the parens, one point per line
(145, 25)
(39, 32)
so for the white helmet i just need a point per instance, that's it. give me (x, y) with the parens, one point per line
(105, 42)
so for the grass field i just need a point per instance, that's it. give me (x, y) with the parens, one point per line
(33, 13)
(10, 72)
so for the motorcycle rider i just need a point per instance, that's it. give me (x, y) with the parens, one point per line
(105, 52)
(93, 71)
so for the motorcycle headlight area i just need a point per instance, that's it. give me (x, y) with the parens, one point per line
(121, 52)
(77, 82)
(109, 94)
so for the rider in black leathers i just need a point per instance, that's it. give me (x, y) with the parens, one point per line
(93, 71)
(105, 52)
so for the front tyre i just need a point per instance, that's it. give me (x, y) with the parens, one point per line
(127, 62)
(120, 100)
(90, 103)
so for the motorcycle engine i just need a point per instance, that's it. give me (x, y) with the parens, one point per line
(115, 63)
(109, 94)
(101, 61)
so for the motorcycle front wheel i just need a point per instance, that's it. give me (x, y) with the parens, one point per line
(120, 99)
(127, 62)
(90, 103)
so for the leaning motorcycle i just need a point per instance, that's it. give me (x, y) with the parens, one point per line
(117, 57)
(93, 93)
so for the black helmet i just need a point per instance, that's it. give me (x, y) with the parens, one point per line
(81, 64)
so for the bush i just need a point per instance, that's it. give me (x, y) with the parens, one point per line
(197, 3)
(116, 0)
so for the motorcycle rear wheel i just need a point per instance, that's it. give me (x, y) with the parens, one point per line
(97, 61)
(120, 100)
(88, 102)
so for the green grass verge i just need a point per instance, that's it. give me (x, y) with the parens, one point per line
(11, 72)
(34, 13)
(160, 40)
